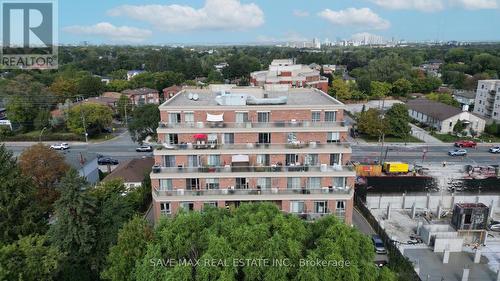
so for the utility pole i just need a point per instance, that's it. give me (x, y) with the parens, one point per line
(40, 137)
(126, 119)
(84, 126)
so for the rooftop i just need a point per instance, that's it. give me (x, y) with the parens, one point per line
(437, 110)
(294, 97)
(139, 91)
(132, 170)
(80, 160)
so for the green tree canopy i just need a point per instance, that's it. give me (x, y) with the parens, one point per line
(96, 117)
(398, 121)
(340, 90)
(371, 123)
(379, 89)
(144, 122)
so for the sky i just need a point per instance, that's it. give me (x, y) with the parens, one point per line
(268, 21)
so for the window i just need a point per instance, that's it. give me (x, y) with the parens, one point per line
(334, 159)
(213, 160)
(241, 183)
(292, 138)
(339, 182)
(293, 183)
(297, 207)
(311, 160)
(263, 159)
(212, 184)
(189, 117)
(174, 118)
(316, 116)
(451, 124)
(192, 184)
(166, 184)
(228, 138)
(291, 159)
(264, 138)
(187, 206)
(165, 208)
(241, 117)
(211, 204)
(333, 137)
(330, 116)
(340, 206)
(320, 207)
(193, 161)
(169, 161)
(264, 183)
(172, 139)
(263, 117)
(314, 183)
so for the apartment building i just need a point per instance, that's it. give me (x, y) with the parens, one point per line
(142, 96)
(286, 72)
(227, 145)
(487, 101)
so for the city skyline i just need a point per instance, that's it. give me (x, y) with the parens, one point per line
(267, 22)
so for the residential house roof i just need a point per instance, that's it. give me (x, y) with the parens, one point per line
(436, 110)
(115, 95)
(139, 91)
(132, 171)
(174, 88)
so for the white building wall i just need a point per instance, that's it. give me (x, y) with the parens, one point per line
(487, 102)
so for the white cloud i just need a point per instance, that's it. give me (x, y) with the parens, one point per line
(109, 31)
(420, 5)
(214, 15)
(436, 5)
(300, 13)
(476, 4)
(363, 18)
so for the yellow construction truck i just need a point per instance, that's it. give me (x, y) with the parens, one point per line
(396, 167)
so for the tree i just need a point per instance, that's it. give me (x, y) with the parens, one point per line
(30, 258)
(45, 168)
(90, 86)
(401, 87)
(459, 127)
(64, 88)
(42, 119)
(398, 119)
(118, 85)
(380, 90)
(445, 98)
(340, 90)
(130, 248)
(215, 76)
(73, 232)
(144, 122)
(124, 107)
(371, 123)
(20, 214)
(95, 117)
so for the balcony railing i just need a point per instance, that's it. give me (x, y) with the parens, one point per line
(256, 125)
(252, 169)
(252, 191)
(252, 146)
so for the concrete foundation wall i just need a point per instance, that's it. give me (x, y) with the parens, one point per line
(450, 244)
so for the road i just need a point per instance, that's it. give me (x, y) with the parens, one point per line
(364, 227)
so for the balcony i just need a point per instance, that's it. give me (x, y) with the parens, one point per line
(223, 126)
(252, 191)
(251, 171)
(313, 146)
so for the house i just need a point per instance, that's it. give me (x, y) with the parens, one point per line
(114, 95)
(464, 97)
(86, 165)
(132, 172)
(443, 117)
(171, 91)
(111, 102)
(227, 145)
(132, 73)
(142, 96)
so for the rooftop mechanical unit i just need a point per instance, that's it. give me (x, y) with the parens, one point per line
(470, 216)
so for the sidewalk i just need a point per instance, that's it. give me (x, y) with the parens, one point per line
(423, 135)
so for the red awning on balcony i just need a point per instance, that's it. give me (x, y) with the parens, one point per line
(200, 136)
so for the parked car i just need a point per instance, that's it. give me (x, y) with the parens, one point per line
(457, 152)
(144, 148)
(60, 146)
(465, 143)
(495, 149)
(107, 161)
(378, 245)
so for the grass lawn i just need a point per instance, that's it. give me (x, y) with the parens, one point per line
(452, 138)
(390, 139)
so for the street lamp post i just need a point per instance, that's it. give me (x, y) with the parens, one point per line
(41, 132)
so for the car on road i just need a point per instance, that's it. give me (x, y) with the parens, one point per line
(465, 143)
(495, 149)
(144, 148)
(60, 146)
(378, 245)
(457, 152)
(107, 161)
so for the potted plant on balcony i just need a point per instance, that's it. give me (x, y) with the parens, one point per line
(156, 168)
